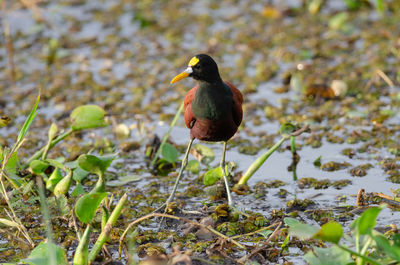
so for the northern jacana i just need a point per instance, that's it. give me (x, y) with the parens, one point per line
(213, 110)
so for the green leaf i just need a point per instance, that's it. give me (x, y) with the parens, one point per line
(38, 166)
(396, 240)
(63, 185)
(62, 204)
(78, 190)
(12, 163)
(28, 121)
(331, 232)
(53, 180)
(328, 256)
(169, 153)
(94, 164)
(56, 163)
(285, 242)
(367, 221)
(203, 153)
(300, 230)
(338, 21)
(380, 6)
(40, 255)
(265, 233)
(14, 179)
(79, 174)
(52, 131)
(87, 117)
(391, 250)
(123, 180)
(193, 166)
(86, 206)
(212, 176)
(287, 128)
(353, 4)
(290, 221)
(317, 162)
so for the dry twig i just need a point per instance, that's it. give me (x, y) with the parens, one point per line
(212, 230)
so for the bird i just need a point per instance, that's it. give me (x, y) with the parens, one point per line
(212, 110)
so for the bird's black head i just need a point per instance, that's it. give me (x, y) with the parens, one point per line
(202, 68)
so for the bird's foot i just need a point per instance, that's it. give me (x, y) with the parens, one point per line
(165, 208)
(160, 208)
(233, 208)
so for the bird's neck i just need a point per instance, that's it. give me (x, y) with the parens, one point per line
(212, 100)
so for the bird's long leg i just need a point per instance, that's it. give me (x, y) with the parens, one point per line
(183, 166)
(184, 163)
(222, 165)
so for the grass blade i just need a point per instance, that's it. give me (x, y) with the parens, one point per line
(28, 121)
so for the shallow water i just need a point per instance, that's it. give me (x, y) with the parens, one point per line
(121, 56)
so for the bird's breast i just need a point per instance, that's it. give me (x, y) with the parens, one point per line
(211, 105)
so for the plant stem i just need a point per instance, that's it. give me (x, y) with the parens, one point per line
(294, 156)
(107, 230)
(357, 243)
(46, 218)
(39, 153)
(293, 144)
(365, 248)
(368, 259)
(178, 113)
(259, 161)
(81, 253)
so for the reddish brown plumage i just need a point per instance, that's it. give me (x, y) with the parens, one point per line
(214, 130)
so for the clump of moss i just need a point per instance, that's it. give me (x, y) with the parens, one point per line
(229, 228)
(395, 177)
(313, 183)
(361, 170)
(282, 193)
(349, 152)
(260, 189)
(298, 204)
(320, 215)
(335, 139)
(338, 184)
(314, 140)
(334, 166)
(150, 250)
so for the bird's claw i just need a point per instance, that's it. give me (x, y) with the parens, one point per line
(160, 208)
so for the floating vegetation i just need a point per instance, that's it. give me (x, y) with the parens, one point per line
(84, 165)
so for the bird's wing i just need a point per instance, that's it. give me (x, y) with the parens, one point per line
(237, 111)
(189, 116)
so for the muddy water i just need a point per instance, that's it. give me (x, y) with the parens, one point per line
(122, 55)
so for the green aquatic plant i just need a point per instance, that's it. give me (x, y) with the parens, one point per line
(366, 245)
(82, 118)
(288, 131)
(8, 170)
(97, 165)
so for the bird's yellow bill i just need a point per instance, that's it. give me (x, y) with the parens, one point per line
(180, 77)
